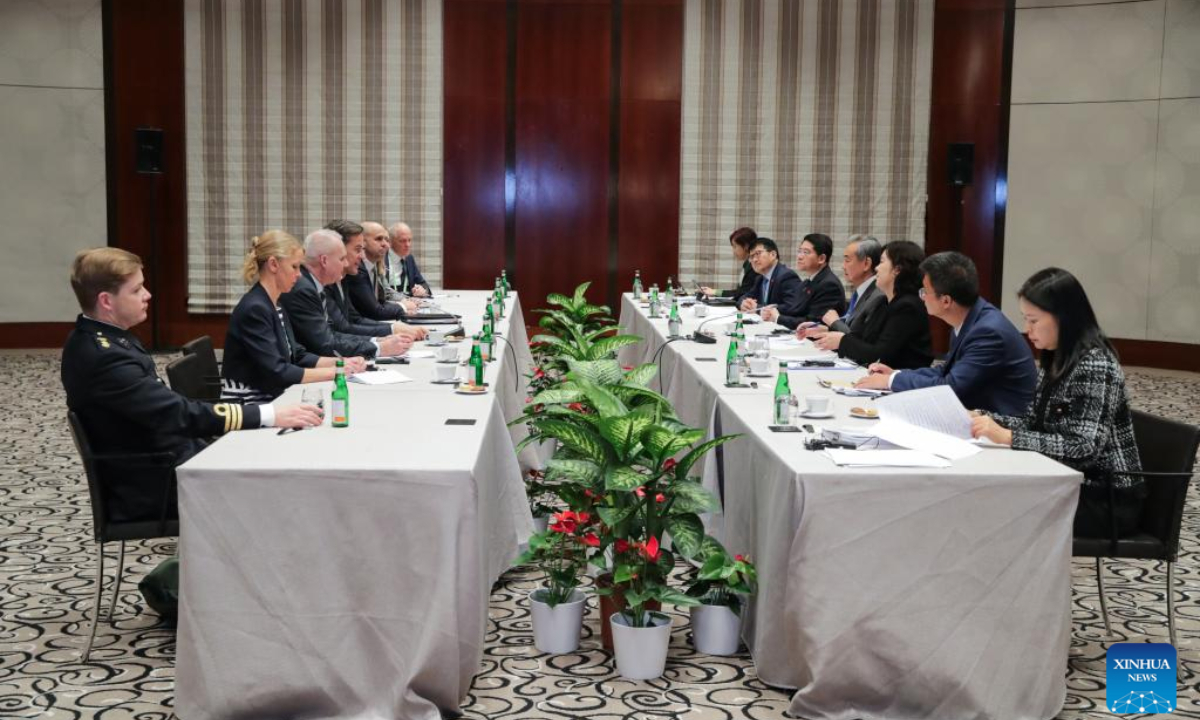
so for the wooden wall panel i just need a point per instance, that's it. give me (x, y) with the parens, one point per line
(474, 122)
(562, 146)
(650, 114)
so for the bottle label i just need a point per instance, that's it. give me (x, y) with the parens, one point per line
(338, 409)
(733, 374)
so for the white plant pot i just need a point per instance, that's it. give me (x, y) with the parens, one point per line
(540, 523)
(556, 629)
(641, 652)
(716, 630)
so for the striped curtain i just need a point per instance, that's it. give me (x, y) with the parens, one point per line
(303, 111)
(802, 116)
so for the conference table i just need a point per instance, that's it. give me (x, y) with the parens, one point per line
(346, 572)
(884, 592)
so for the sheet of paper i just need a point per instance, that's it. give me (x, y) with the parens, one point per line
(419, 354)
(934, 408)
(380, 377)
(838, 363)
(912, 437)
(885, 458)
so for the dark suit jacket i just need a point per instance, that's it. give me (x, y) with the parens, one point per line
(989, 365)
(749, 278)
(365, 298)
(896, 334)
(262, 356)
(818, 295)
(784, 291)
(305, 306)
(113, 387)
(413, 276)
(344, 318)
(872, 300)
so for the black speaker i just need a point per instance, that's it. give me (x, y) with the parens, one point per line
(149, 142)
(962, 163)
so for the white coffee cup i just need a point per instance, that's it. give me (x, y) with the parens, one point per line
(700, 309)
(448, 353)
(816, 404)
(444, 372)
(760, 366)
(436, 337)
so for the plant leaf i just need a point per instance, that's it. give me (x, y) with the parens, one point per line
(623, 477)
(607, 347)
(580, 471)
(581, 439)
(641, 375)
(601, 372)
(691, 497)
(557, 396)
(662, 443)
(687, 461)
(624, 432)
(614, 516)
(687, 533)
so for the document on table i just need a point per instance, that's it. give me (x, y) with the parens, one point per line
(885, 458)
(380, 377)
(838, 363)
(931, 420)
(419, 354)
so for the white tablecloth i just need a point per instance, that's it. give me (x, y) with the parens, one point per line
(884, 593)
(345, 573)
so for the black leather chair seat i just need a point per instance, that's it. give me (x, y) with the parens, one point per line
(1141, 546)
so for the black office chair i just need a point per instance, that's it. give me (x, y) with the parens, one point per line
(1167, 449)
(106, 530)
(186, 376)
(210, 369)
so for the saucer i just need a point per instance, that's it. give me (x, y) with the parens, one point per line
(766, 374)
(475, 390)
(451, 381)
(864, 414)
(434, 344)
(816, 416)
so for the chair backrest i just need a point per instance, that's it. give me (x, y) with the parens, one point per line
(1165, 446)
(187, 377)
(95, 488)
(202, 348)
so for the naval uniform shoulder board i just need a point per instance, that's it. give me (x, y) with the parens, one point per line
(102, 341)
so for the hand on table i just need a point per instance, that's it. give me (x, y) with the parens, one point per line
(355, 365)
(813, 332)
(412, 332)
(410, 306)
(769, 314)
(419, 291)
(394, 345)
(748, 305)
(984, 427)
(829, 340)
(707, 291)
(877, 380)
(830, 317)
(298, 416)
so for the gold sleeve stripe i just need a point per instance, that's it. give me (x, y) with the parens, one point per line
(225, 412)
(237, 417)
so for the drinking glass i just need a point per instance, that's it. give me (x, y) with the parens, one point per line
(313, 396)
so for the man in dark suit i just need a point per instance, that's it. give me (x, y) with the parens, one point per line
(113, 387)
(989, 366)
(821, 293)
(347, 316)
(778, 286)
(859, 263)
(401, 271)
(324, 263)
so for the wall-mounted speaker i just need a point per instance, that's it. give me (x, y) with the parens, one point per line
(149, 145)
(962, 163)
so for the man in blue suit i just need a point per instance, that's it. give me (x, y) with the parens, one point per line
(778, 286)
(989, 366)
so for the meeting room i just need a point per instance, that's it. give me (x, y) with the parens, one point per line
(600, 359)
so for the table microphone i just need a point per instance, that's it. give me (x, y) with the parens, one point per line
(703, 339)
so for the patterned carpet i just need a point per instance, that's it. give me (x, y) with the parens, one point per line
(47, 569)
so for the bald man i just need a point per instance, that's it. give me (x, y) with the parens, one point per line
(402, 271)
(368, 291)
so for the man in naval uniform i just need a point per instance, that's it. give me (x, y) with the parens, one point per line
(125, 408)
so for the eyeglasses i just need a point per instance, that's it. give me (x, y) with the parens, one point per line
(923, 293)
(757, 254)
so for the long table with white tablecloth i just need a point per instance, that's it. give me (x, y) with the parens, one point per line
(346, 572)
(885, 593)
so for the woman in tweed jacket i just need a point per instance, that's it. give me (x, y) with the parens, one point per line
(1080, 412)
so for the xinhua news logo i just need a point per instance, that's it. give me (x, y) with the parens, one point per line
(1141, 678)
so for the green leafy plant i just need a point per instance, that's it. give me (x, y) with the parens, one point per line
(561, 552)
(722, 579)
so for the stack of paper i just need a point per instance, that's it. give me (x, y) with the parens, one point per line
(380, 377)
(931, 420)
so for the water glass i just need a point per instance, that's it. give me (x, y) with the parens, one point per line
(313, 396)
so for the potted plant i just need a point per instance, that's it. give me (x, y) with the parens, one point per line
(719, 588)
(561, 552)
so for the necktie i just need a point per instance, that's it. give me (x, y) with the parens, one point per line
(853, 302)
(402, 285)
(766, 288)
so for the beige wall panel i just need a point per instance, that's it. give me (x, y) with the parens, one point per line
(1088, 53)
(54, 43)
(1081, 187)
(1181, 54)
(1175, 256)
(52, 196)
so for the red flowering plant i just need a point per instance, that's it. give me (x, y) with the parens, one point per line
(723, 580)
(562, 552)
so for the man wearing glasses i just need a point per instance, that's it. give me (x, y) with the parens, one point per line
(990, 366)
(819, 294)
(777, 284)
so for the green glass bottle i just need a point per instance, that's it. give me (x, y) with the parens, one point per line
(654, 302)
(504, 283)
(783, 397)
(487, 344)
(738, 324)
(489, 318)
(674, 322)
(733, 364)
(476, 362)
(339, 399)
(637, 285)
(498, 300)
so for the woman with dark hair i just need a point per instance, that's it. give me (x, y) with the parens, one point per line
(897, 334)
(1080, 412)
(741, 242)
